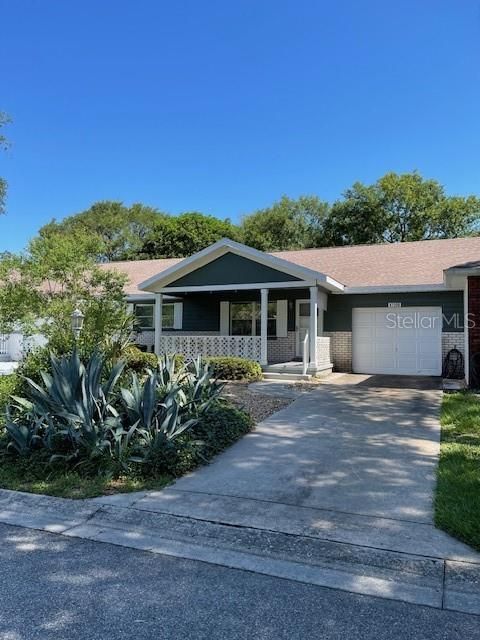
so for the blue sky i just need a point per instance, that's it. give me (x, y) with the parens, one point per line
(223, 106)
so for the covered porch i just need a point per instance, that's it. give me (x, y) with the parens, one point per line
(231, 300)
(268, 326)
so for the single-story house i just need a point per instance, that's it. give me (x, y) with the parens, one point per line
(385, 308)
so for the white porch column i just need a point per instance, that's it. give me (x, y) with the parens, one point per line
(158, 321)
(313, 326)
(264, 326)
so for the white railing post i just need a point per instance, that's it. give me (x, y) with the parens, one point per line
(305, 352)
(158, 323)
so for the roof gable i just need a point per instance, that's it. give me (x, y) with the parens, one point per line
(232, 269)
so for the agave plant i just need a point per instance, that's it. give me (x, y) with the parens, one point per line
(152, 410)
(73, 405)
(200, 386)
(169, 374)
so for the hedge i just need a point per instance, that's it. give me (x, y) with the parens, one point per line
(233, 368)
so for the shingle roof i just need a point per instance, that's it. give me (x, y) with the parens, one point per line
(140, 270)
(407, 263)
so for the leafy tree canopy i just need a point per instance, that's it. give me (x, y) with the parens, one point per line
(4, 120)
(183, 235)
(40, 289)
(120, 229)
(287, 224)
(398, 208)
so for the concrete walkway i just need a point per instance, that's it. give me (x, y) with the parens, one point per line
(335, 490)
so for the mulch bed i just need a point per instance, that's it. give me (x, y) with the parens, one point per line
(258, 405)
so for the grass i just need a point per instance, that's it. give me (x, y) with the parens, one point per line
(24, 475)
(457, 501)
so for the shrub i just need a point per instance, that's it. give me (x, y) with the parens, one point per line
(34, 362)
(233, 368)
(223, 425)
(8, 385)
(137, 360)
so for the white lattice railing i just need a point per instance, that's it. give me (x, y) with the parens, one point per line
(3, 344)
(193, 346)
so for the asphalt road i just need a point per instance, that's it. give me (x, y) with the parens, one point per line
(52, 587)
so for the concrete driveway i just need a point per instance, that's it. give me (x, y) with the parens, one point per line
(366, 450)
(352, 462)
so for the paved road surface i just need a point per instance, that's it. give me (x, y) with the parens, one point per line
(52, 588)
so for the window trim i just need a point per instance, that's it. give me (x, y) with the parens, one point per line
(152, 306)
(254, 318)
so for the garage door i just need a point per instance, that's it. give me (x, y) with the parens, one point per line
(400, 341)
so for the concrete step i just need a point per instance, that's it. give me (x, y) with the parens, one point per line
(286, 376)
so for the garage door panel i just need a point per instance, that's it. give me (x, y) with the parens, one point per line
(405, 341)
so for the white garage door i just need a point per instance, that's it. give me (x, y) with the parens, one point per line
(401, 341)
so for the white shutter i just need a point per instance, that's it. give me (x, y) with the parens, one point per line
(282, 318)
(130, 309)
(224, 318)
(322, 300)
(177, 315)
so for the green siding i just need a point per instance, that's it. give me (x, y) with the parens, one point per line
(201, 312)
(231, 269)
(339, 314)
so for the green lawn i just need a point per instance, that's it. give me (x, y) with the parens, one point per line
(457, 502)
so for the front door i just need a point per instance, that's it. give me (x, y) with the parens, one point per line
(302, 324)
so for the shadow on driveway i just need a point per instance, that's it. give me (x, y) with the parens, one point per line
(419, 383)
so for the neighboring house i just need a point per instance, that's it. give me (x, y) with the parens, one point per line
(389, 309)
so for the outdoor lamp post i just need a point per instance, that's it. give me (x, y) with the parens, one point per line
(77, 319)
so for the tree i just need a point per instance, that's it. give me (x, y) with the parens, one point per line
(184, 235)
(398, 208)
(40, 289)
(120, 229)
(4, 144)
(287, 224)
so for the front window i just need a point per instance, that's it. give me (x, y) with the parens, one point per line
(245, 318)
(241, 314)
(144, 314)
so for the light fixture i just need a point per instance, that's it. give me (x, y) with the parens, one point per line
(76, 320)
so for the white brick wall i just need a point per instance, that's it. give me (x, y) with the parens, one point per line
(323, 351)
(340, 349)
(281, 349)
(452, 340)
